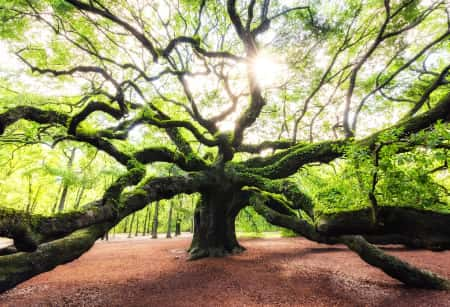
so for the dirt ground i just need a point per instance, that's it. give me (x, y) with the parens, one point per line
(272, 272)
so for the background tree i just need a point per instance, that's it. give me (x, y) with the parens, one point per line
(210, 88)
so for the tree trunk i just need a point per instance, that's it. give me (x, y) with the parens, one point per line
(149, 221)
(177, 226)
(125, 229)
(62, 200)
(79, 197)
(169, 221)
(147, 216)
(214, 226)
(137, 226)
(131, 225)
(155, 222)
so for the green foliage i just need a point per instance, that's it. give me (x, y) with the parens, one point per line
(12, 25)
(61, 6)
(250, 222)
(35, 173)
(417, 178)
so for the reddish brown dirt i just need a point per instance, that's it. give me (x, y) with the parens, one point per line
(272, 272)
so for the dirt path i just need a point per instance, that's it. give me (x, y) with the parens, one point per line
(273, 272)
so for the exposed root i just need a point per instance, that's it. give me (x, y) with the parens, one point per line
(198, 253)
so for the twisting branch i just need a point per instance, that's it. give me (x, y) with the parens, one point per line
(196, 45)
(371, 254)
(257, 148)
(83, 69)
(107, 14)
(181, 124)
(381, 85)
(286, 163)
(433, 86)
(16, 268)
(37, 115)
(379, 39)
(162, 154)
(90, 108)
(266, 21)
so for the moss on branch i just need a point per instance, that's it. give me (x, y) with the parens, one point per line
(37, 115)
(371, 254)
(287, 162)
(289, 189)
(18, 267)
(164, 154)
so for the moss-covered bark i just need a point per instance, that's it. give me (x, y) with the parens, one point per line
(19, 267)
(285, 163)
(391, 265)
(214, 229)
(50, 241)
(395, 225)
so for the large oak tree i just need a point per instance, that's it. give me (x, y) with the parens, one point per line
(238, 96)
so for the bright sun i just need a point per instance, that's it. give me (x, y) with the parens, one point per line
(268, 70)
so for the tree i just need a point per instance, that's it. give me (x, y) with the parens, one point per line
(354, 84)
(65, 187)
(169, 221)
(155, 221)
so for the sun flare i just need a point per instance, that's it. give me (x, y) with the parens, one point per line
(268, 70)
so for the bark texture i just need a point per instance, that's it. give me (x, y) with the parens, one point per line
(214, 225)
(371, 254)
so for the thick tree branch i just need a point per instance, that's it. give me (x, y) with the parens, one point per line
(257, 148)
(433, 86)
(90, 108)
(371, 254)
(196, 45)
(37, 115)
(162, 154)
(287, 162)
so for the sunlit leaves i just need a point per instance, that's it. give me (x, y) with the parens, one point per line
(61, 6)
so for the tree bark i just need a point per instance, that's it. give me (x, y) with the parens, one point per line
(169, 221)
(371, 254)
(131, 225)
(214, 225)
(395, 225)
(65, 190)
(394, 267)
(147, 215)
(79, 197)
(21, 266)
(137, 226)
(155, 221)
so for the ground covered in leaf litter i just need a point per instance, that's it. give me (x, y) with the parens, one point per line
(272, 272)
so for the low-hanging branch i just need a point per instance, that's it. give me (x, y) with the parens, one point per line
(371, 254)
(93, 221)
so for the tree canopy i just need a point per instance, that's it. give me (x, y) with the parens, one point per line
(316, 113)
